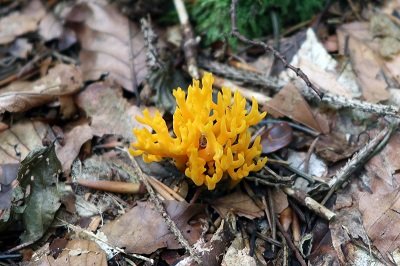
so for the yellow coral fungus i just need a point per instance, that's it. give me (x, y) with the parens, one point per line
(211, 139)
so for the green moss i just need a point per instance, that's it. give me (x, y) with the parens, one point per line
(212, 18)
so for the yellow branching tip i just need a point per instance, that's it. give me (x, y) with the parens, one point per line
(211, 139)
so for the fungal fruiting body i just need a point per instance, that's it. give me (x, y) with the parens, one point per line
(210, 139)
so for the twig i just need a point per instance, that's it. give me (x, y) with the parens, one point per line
(290, 243)
(132, 66)
(271, 206)
(160, 208)
(308, 155)
(310, 203)
(189, 44)
(359, 159)
(150, 42)
(235, 32)
(330, 99)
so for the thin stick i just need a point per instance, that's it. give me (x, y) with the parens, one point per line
(310, 203)
(235, 32)
(160, 208)
(189, 45)
(290, 243)
(359, 159)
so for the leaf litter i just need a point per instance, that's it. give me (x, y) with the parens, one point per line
(62, 122)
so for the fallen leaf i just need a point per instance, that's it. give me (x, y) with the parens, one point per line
(8, 173)
(347, 225)
(334, 147)
(21, 96)
(19, 23)
(238, 203)
(380, 207)
(276, 137)
(321, 68)
(38, 176)
(110, 112)
(20, 139)
(110, 44)
(368, 69)
(21, 48)
(50, 27)
(76, 252)
(143, 230)
(289, 102)
(360, 31)
(74, 139)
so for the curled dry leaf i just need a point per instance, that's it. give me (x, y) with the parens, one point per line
(276, 137)
(21, 96)
(73, 139)
(143, 230)
(334, 147)
(110, 44)
(19, 23)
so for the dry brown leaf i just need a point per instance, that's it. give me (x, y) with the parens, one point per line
(359, 32)
(368, 68)
(289, 102)
(110, 112)
(143, 230)
(347, 225)
(17, 141)
(238, 203)
(334, 147)
(19, 23)
(21, 96)
(74, 139)
(380, 209)
(77, 252)
(110, 44)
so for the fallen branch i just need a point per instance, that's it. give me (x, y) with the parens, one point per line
(274, 84)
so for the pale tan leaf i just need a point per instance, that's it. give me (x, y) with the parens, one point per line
(74, 139)
(21, 96)
(77, 252)
(110, 44)
(110, 112)
(17, 141)
(18, 23)
(368, 69)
